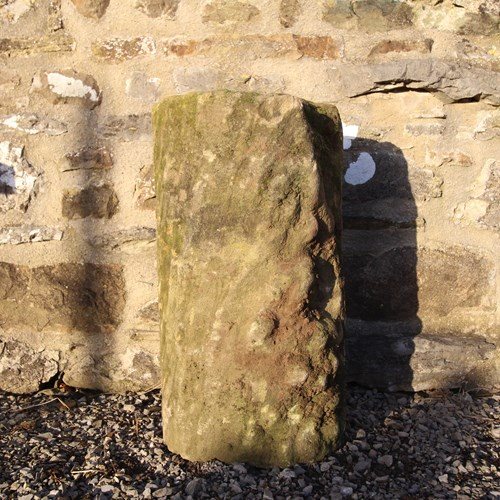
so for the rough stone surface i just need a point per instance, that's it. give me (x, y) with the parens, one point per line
(384, 286)
(122, 49)
(16, 235)
(197, 79)
(380, 189)
(401, 46)
(126, 128)
(157, 8)
(33, 45)
(455, 81)
(89, 158)
(290, 10)
(84, 297)
(150, 312)
(488, 126)
(23, 369)
(133, 240)
(369, 15)
(395, 356)
(483, 206)
(139, 86)
(250, 291)
(12, 10)
(18, 179)
(91, 8)
(222, 11)
(97, 201)
(32, 124)
(67, 86)
(257, 46)
(145, 193)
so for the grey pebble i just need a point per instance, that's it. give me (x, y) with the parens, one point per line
(240, 468)
(162, 492)
(346, 491)
(267, 494)
(386, 460)
(308, 489)
(194, 486)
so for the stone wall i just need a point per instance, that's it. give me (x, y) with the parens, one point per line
(417, 86)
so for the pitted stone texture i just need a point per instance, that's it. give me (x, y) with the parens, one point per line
(88, 298)
(18, 179)
(94, 9)
(250, 296)
(67, 86)
(157, 8)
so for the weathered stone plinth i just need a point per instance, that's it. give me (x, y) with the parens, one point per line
(250, 295)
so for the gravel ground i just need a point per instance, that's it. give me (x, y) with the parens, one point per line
(81, 445)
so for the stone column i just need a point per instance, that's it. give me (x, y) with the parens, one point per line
(249, 220)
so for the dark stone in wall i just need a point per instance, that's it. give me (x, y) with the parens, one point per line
(385, 286)
(157, 8)
(89, 298)
(98, 202)
(98, 158)
(369, 15)
(91, 8)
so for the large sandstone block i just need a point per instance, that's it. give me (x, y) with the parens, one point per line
(250, 292)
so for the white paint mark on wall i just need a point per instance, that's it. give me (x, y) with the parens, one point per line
(17, 178)
(350, 132)
(361, 170)
(66, 86)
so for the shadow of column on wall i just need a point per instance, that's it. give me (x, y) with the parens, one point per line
(96, 294)
(379, 261)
